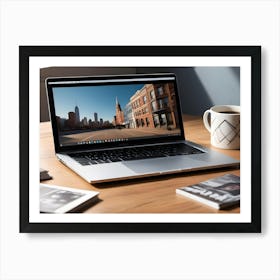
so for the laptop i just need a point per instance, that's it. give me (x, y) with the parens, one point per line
(109, 128)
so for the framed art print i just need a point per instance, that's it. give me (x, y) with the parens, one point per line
(90, 115)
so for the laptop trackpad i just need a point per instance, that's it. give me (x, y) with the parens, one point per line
(160, 164)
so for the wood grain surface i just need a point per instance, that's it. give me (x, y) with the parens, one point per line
(149, 195)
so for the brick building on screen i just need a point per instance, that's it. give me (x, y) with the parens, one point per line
(154, 106)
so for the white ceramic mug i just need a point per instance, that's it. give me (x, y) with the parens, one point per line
(224, 126)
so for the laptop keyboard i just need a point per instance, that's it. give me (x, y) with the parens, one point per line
(135, 153)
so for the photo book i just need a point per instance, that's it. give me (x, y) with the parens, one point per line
(220, 192)
(57, 199)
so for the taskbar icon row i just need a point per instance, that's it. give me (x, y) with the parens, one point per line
(102, 141)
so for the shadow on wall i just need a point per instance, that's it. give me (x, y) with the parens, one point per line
(203, 87)
(199, 87)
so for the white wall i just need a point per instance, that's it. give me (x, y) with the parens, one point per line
(139, 256)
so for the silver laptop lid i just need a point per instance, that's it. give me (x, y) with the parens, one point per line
(112, 111)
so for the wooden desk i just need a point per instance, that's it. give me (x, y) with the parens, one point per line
(154, 195)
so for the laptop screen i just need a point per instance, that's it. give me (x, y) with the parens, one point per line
(114, 110)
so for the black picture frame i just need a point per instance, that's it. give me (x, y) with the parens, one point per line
(254, 52)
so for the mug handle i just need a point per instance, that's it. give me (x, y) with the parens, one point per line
(206, 120)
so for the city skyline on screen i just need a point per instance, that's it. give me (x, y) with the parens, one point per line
(92, 99)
